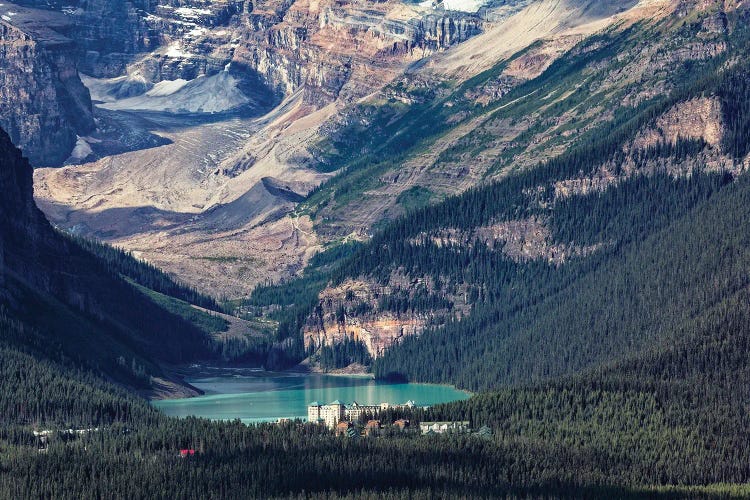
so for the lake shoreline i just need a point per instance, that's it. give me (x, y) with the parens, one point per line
(254, 395)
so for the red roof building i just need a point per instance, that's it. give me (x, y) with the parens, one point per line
(342, 428)
(401, 424)
(372, 426)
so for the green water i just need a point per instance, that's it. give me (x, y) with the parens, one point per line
(264, 397)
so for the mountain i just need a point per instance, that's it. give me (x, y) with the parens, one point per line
(181, 180)
(505, 275)
(543, 202)
(76, 300)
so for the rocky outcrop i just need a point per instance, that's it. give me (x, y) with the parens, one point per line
(327, 50)
(520, 240)
(440, 32)
(697, 119)
(43, 103)
(107, 32)
(377, 334)
(353, 310)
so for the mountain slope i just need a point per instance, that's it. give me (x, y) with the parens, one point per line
(513, 275)
(76, 300)
(324, 60)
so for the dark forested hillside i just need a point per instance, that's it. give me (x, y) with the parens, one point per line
(668, 423)
(145, 274)
(77, 300)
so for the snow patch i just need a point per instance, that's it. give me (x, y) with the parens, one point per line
(206, 94)
(70, 10)
(81, 151)
(463, 5)
(191, 13)
(175, 50)
(196, 32)
(166, 87)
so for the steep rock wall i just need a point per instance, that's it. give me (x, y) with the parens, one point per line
(43, 103)
(107, 32)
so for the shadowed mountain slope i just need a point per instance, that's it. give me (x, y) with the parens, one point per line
(77, 300)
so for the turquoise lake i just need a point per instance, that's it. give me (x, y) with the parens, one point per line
(263, 397)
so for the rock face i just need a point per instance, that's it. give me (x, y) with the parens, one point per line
(323, 48)
(43, 103)
(353, 310)
(698, 118)
(377, 334)
(107, 32)
(329, 47)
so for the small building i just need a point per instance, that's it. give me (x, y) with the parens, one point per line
(330, 414)
(444, 427)
(187, 453)
(342, 428)
(401, 424)
(372, 427)
(356, 411)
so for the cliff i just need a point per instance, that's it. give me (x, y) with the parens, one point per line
(43, 103)
(107, 32)
(373, 313)
(352, 47)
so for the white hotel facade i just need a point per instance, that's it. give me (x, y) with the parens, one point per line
(335, 412)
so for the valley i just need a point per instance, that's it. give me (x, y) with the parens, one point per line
(169, 205)
(195, 183)
(273, 171)
(231, 230)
